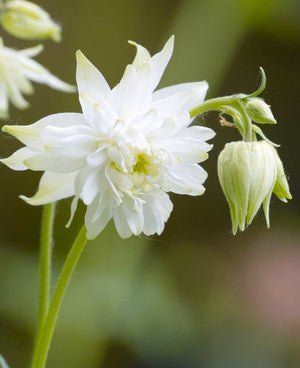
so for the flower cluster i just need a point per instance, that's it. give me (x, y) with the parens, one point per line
(124, 152)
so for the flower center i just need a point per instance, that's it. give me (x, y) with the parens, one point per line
(146, 165)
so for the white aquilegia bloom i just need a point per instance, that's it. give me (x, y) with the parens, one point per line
(127, 148)
(17, 69)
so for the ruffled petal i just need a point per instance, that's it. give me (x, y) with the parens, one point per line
(97, 215)
(133, 211)
(97, 111)
(177, 99)
(30, 135)
(132, 96)
(156, 210)
(184, 179)
(53, 163)
(52, 188)
(121, 223)
(187, 149)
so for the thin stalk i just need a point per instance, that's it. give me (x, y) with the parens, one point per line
(228, 105)
(45, 263)
(214, 104)
(247, 124)
(43, 345)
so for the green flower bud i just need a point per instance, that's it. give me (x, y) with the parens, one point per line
(259, 111)
(29, 21)
(249, 172)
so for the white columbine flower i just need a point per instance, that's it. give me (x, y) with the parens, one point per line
(17, 69)
(124, 152)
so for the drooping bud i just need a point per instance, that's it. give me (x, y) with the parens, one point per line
(259, 111)
(249, 172)
(29, 21)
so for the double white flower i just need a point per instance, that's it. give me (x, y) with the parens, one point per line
(124, 152)
(17, 69)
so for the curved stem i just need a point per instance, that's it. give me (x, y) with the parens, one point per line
(228, 105)
(247, 124)
(45, 264)
(43, 345)
(216, 104)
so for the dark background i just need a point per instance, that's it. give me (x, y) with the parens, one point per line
(196, 296)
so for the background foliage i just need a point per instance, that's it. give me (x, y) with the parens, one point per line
(196, 296)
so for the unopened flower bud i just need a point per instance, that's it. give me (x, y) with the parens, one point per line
(249, 172)
(259, 111)
(29, 21)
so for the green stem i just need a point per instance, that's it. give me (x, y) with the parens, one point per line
(229, 105)
(45, 264)
(43, 345)
(247, 124)
(215, 104)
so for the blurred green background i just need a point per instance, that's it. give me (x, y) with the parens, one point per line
(196, 296)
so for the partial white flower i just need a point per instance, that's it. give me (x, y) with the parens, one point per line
(124, 152)
(17, 69)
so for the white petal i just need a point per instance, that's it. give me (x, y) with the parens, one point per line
(74, 205)
(53, 163)
(97, 158)
(186, 149)
(51, 81)
(121, 223)
(181, 88)
(75, 141)
(16, 160)
(13, 91)
(52, 188)
(97, 112)
(76, 147)
(3, 100)
(184, 179)
(198, 132)
(88, 77)
(32, 51)
(157, 209)
(159, 62)
(184, 98)
(142, 56)
(30, 134)
(97, 215)
(90, 187)
(133, 210)
(132, 96)
(37, 73)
